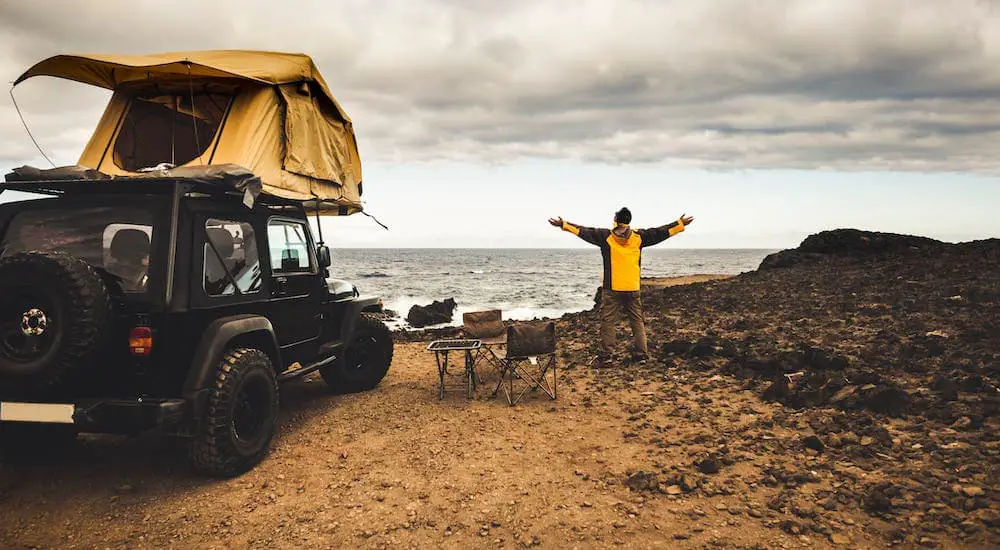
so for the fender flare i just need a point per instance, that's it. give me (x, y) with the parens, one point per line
(351, 314)
(215, 341)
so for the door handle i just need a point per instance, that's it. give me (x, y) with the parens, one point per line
(280, 285)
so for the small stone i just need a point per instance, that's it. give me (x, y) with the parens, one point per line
(973, 491)
(839, 539)
(814, 443)
(709, 465)
(969, 526)
(791, 527)
(682, 536)
(674, 490)
(962, 423)
(689, 483)
(866, 440)
(843, 394)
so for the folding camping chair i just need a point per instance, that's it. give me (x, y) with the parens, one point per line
(487, 327)
(531, 356)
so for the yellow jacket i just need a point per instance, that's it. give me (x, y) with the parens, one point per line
(621, 248)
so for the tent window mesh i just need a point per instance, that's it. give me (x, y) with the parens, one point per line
(165, 129)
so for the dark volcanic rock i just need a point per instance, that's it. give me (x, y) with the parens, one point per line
(642, 481)
(814, 443)
(434, 314)
(852, 241)
(846, 242)
(709, 465)
(878, 499)
(885, 346)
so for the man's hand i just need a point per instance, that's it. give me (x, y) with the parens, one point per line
(556, 222)
(686, 220)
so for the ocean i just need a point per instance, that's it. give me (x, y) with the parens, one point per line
(524, 283)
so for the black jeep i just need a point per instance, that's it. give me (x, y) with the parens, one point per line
(171, 303)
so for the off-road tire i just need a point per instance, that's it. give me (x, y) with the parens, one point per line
(79, 321)
(217, 449)
(365, 361)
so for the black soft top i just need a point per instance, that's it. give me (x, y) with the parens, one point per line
(224, 178)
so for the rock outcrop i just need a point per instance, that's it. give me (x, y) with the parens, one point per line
(847, 242)
(436, 313)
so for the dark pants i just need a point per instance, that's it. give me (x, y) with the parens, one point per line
(631, 302)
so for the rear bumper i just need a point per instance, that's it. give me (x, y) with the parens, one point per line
(100, 415)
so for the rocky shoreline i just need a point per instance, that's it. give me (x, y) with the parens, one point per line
(885, 352)
(885, 348)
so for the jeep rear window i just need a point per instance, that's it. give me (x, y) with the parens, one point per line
(165, 129)
(113, 239)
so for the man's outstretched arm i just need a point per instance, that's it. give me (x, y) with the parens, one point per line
(589, 234)
(657, 235)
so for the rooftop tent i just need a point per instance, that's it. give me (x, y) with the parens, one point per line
(269, 112)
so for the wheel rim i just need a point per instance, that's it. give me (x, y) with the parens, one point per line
(28, 326)
(362, 353)
(252, 411)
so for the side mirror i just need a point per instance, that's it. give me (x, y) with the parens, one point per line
(323, 256)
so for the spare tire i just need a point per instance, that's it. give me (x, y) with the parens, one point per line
(55, 315)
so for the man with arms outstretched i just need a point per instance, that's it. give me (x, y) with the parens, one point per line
(621, 248)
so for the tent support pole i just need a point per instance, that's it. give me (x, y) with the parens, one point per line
(319, 224)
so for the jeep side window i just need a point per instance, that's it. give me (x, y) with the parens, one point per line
(232, 264)
(289, 247)
(126, 254)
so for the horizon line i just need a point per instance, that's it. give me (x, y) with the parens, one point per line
(525, 248)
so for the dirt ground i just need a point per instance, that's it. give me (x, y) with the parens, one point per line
(686, 451)
(663, 282)
(397, 467)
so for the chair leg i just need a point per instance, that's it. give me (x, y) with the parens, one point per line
(509, 374)
(503, 373)
(536, 380)
(486, 354)
(550, 390)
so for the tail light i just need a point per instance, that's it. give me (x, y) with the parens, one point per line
(140, 341)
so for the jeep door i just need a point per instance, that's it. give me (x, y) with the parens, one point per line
(296, 288)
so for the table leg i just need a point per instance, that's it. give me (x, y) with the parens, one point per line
(441, 368)
(469, 373)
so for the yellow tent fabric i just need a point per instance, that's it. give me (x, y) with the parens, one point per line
(283, 122)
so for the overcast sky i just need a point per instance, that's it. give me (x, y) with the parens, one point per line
(476, 119)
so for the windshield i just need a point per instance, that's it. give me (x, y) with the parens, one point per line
(111, 238)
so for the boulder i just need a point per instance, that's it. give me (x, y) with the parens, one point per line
(846, 242)
(435, 313)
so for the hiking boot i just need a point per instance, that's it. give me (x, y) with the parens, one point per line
(639, 358)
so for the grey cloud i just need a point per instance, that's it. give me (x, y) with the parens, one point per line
(835, 84)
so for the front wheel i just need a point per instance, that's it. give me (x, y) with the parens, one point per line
(365, 361)
(241, 415)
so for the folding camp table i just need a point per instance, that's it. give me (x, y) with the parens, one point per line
(441, 348)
